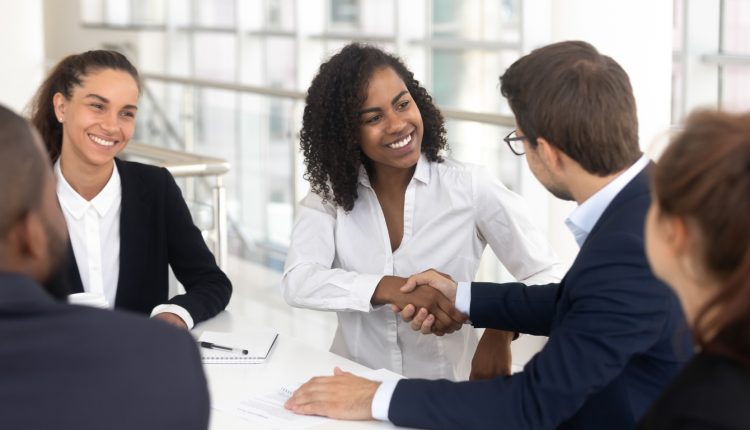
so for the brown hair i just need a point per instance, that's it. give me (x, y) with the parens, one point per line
(577, 99)
(69, 73)
(704, 176)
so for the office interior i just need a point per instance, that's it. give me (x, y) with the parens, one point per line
(224, 84)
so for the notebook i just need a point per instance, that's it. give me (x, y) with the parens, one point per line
(258, 343)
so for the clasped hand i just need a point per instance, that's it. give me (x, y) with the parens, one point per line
(444, 318)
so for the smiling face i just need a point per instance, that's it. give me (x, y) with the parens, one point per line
(391, 126)
(98, 119)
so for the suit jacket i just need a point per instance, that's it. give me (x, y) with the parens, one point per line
(157, 231)
(616, 337)
(712, 392)
(73, 367)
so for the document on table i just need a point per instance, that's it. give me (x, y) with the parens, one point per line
(269, 408)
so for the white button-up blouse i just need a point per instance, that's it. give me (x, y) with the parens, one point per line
(451, 212)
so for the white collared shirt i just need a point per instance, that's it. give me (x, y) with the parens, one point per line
(451, 211)
(94, 229)
(584, 217)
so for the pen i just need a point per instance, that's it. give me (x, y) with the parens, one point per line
(210, 345)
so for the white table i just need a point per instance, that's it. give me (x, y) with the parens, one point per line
(290, 360)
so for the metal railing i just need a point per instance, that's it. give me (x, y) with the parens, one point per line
(481, 117)
(184, 164)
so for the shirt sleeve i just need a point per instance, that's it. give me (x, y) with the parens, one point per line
(381, 402)
(177, 310)
(503, 220)
(309, 279)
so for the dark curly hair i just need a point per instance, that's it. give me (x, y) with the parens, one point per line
(331, 121)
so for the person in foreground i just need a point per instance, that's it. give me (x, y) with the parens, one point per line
(616, 334)
(385, 204)
(127, 221)
(71, 367)
(698, 242)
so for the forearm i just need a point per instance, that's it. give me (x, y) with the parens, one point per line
(313, 286)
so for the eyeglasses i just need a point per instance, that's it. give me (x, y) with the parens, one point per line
(515, 143)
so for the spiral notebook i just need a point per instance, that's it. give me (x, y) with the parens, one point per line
(258, 343)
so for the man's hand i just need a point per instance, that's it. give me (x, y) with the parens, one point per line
(341, 396)
(445, 317)
(492, 357)
(171, 319)
(439, 281)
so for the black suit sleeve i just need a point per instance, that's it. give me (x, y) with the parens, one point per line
(207, 287)
(513, 307)
(617, 312)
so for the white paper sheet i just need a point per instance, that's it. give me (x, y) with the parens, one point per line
(269, 408)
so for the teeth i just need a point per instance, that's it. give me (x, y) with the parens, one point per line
(101, 141)
(401, 143)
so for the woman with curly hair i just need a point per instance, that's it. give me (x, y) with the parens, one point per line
(698, 242)
(385, 204)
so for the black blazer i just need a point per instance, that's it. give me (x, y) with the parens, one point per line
(157, 231)
(712, 392)
(616, 338)
(75, 367)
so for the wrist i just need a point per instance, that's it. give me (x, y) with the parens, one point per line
(387, 290)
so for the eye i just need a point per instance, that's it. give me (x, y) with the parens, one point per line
(403, 105)
(373, 119)
(97, 106)
(128, 114)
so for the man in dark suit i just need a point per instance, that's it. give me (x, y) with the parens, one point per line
(616, 334)
(71, 367)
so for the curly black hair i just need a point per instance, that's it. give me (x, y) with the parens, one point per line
(330, 124)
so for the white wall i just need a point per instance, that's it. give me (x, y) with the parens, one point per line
(22, 48)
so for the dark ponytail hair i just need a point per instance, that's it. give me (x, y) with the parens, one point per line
(67, 74)
(704, 176)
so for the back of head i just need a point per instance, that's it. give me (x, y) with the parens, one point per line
(331, 121)
(704, 177)
(22, 171)
(580, 101)
(67, 74)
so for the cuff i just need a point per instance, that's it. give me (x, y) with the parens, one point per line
(177, 310)
(363, 289)
(463, 298)
(381, 402)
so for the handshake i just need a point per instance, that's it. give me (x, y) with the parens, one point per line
(425, 300)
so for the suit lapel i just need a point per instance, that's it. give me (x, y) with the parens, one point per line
(134, 212)
(72, 275)
(636, 187)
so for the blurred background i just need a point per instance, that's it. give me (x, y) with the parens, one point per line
(226, 80)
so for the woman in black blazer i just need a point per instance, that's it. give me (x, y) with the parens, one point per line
(698, 241)
(127, 221)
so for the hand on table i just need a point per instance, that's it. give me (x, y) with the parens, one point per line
(341, 396)
(492, 357)
(171, 319)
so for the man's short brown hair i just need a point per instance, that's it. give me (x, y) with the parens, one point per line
(577, 99)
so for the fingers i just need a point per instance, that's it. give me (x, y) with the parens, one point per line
(410, 284)
(409, 311)
(420, 318)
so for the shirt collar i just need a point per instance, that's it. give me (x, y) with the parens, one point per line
(585, 216)
(421, 173)
(77, 205)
